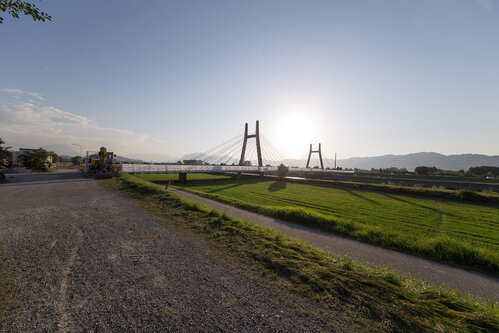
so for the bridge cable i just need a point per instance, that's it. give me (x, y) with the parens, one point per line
(267, 154)
(274, 149)
(204, 154)
(227, 152)
(276, 155)
(277, 152)
(237, 157)
(250, 154)
(216, 155)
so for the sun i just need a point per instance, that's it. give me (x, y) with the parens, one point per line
(295, 131)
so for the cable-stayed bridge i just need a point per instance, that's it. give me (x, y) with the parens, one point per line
(245, 153)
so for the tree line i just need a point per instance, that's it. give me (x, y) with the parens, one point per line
(478, 171)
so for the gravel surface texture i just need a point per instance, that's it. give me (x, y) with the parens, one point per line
(87, 260)
(474, 283)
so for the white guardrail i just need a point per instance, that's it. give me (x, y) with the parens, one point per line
(172, 168)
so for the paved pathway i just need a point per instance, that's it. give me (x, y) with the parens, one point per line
(440, 274)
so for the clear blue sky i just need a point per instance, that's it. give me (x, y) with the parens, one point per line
(365, 78)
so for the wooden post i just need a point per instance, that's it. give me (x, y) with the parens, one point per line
(182, 177)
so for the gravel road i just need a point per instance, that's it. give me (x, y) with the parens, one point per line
(477, 284)
(87, 260)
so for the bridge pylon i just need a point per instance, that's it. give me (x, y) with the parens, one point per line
(258, 147)
(315, 151)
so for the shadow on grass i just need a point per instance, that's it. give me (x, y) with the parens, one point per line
(436, 210)
(361, 197)
(230, 183)
(277, 186)
(225, 188)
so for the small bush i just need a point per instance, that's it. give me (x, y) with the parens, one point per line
(466, 195)
(282, 171)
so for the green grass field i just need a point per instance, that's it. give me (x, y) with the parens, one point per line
(466, 234)
(163, 177)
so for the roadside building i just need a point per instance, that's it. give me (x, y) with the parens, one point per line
(16, 156)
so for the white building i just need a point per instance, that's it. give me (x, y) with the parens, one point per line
(16, 156)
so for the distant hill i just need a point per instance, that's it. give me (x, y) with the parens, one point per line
(409, 161)
(62, 149)
(123, 159)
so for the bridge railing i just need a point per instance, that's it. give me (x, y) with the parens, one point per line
(318, 170)
(173, 168)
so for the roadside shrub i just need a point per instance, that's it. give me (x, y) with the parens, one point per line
(37, 160)
(282, 171)
(466, 195)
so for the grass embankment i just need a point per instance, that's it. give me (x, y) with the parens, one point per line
(452, 232)
(366, 299)
(165, 177)
(8, 304)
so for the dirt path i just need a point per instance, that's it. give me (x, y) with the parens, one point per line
(478, 284)
(87, 260)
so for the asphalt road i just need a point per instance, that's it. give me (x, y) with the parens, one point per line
(87, 260)
(465, 281)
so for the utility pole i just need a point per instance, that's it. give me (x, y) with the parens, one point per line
(81, 152)
(334, 161)
(315, 151)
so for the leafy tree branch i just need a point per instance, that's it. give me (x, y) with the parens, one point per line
(17, 7)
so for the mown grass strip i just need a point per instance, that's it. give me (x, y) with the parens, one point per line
(422, 240)
(378, 300)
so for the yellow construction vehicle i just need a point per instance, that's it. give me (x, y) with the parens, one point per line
(99, 164)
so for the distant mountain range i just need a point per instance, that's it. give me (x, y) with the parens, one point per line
(409, 161)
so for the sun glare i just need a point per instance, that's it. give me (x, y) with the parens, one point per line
(295, 132)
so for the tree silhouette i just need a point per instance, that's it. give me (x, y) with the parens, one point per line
(18, 7)
(5, 153)
(37, 160)
(282, 171)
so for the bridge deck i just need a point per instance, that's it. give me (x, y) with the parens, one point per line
(172, 168)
